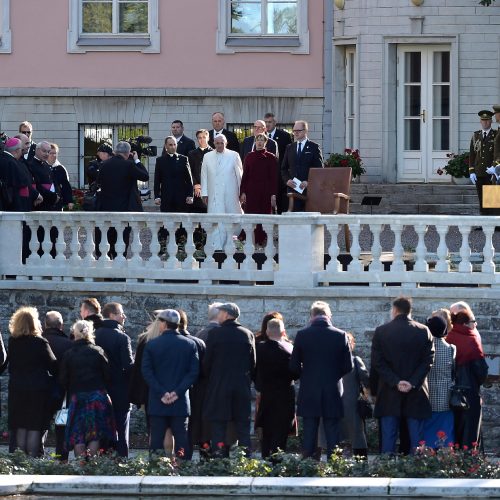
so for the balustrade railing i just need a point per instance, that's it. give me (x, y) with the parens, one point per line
(301, 250)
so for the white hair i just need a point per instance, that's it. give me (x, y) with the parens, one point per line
(123, 148)
(213, 310)
(320, 308)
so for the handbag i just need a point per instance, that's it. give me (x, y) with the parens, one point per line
(61, 417)
(364, 407)
(458, 397)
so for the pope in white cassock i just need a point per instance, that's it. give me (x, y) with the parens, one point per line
(221, 174)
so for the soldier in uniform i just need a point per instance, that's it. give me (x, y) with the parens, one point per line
(481, 156)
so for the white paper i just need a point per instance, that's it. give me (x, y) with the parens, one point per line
(297, 185)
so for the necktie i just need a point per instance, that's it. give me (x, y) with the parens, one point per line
(299, 149)
(484, 135)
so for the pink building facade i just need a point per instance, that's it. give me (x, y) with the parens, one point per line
(84, 70)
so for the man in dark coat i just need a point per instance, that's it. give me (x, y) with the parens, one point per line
(299, 157)
(10, 177)
(229, 366)
(173, 188)
(195, 162)
(274, 380)
(402, 355)
(59, 343)
(117, 179)
(481, 157)
(184, 144)
(320, 357)
(170, 366)
(117, 347)
(90, 310)
(218, 122)
(283, 139)
(43, 177)
(259, 127)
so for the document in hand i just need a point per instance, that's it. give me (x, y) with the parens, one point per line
(297, 185)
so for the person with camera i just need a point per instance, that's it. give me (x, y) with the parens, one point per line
(117, 179)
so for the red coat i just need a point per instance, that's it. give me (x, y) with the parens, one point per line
(259, 182)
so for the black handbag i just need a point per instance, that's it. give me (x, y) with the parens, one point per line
(364, 407)
(458, 397)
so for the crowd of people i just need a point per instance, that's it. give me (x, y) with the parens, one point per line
(196, 390)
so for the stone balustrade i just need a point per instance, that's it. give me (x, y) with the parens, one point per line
(302, 250)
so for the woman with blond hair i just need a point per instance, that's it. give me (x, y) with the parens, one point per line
(31, 361)
(84, 374)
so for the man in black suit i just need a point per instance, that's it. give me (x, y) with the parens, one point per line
(195, 161)
(111, 337)
(184, 144)
(283, 139)
(26, 128)
(173, 187)
(320, 357)
(117, 179)
(229, 366)
(218, 122)
(299, 157)
(402, 355)
(259, 127)
(274, 381)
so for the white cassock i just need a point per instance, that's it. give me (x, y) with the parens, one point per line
(220, 180)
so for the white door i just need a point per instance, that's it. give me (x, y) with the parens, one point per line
(424, 106)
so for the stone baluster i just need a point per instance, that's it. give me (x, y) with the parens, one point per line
(136, 245)
(249, 247)
(442, 265)
(60, 258)
(104, 246)
(488, 265)
(270, 248)
(465, 265)
(376, 264)
(89, 245)
(75, 258)
(154, 261)
(46, 244)
(230, 247)
(34, 258)
(190, 262)
(120, 246)
(421, 264)
(355, 265)
(172, 261)
(334, 249)
(398, 264)
(211, 230)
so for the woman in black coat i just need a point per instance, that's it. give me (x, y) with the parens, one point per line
(31, 361)
(84, 374)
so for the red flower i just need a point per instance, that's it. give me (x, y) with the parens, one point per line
(441, 434)
(180, 452)
(440, 171)
(344, 163)
(348, 151)
(206, 446)
(475, 444)
(421, 443)
(220, 445)
(465, 447)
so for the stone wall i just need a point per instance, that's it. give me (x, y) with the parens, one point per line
(357, 309)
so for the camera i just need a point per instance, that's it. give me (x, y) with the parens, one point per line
(141, 146)
(3, 140)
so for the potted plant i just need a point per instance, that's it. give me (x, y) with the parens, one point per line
(350, 158)
(457, 167)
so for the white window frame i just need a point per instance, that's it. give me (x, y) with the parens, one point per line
(79, 42)
(229, 43)
(351, 115)
(5, 34)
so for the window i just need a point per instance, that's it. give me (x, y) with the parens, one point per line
(126, 25)
(351, 129)
(5, 36)
(93, 135)
(263, 26)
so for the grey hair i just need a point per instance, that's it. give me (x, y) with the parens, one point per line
(275, 327)
(53, 319)
(223, 137)
(42, 143)
(123, 148)
(320, 308)
(213, 310)
(83, 329)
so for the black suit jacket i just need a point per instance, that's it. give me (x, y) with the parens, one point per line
(283, 139)
(185, 145)
(195, 162)
(311, 157)
(247, 147)
(118, 181)
(173, 182)
(117, 347)
(402, 350)
(43, 178)
(321, 357)
(232, 141)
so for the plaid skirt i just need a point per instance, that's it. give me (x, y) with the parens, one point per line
(90, 418)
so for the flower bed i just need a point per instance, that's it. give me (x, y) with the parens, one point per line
(450, 462)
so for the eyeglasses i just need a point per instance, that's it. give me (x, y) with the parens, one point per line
(298, 130)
